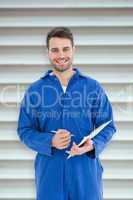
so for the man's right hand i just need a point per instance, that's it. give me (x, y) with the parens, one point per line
(61, 139)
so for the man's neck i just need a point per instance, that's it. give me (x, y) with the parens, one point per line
(65, 76)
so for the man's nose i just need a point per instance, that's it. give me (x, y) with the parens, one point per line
(61, 54)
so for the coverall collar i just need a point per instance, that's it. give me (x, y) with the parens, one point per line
(76, 75)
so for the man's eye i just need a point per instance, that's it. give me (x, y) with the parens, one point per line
(54, 50)
(66, 49)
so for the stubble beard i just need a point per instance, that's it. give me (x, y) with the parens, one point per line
(61, 69)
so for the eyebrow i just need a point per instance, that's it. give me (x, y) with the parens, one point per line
(66, 47)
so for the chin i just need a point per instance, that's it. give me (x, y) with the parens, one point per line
(61, 69)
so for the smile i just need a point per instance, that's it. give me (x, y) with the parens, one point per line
(61, 62)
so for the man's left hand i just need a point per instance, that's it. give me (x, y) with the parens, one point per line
(87, 146)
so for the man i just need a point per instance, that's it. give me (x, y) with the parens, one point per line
(57, 111)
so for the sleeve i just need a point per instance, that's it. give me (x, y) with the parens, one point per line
(101, 113)
(28, 130)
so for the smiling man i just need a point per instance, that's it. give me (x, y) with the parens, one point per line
(56, 113)
(61, 54)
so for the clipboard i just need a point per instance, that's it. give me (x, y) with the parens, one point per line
(90, 136)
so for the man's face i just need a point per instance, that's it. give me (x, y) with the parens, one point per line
(60, 53)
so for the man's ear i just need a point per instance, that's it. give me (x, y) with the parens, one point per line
(47, 51)
(74, 48)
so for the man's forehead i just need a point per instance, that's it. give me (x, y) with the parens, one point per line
(59, 42)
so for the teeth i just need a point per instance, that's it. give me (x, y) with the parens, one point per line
(61, 62)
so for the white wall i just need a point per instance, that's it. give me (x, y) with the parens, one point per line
(103, 32)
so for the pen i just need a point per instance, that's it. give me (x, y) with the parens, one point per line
(55, 132)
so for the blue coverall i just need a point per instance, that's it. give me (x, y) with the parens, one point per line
(83, 107)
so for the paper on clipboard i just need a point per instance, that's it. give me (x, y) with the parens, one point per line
(90, 136)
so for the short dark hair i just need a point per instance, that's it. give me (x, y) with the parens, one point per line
(61, 32)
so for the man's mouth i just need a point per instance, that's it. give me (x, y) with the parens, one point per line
(61, 62)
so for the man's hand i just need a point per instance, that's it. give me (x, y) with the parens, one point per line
(75, 150)
(61, 139)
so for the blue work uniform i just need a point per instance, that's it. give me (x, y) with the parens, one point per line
(83, 107)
